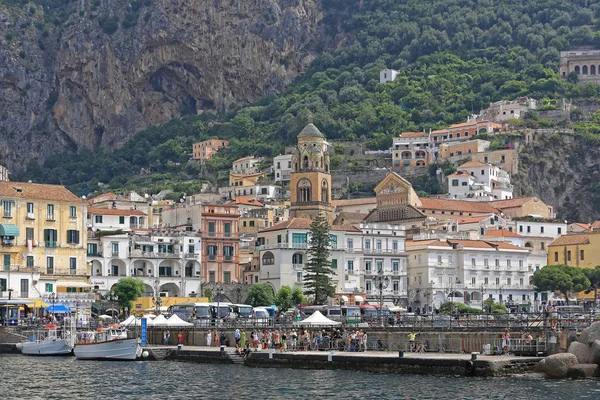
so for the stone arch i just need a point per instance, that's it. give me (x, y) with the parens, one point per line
(420, 163)
(406, 155)
(192, 269)
(143, 268)
(117, 267)
(592, 70)
(303, 191)
(97, 269)
(577, 70)
(298, 258)
(148, 291)
(169, 268)
(529, 245)
(482, 131)
(420, 154)
(325, 191)
(171, 288)
(268, 258)
(476, 296)
(584, 70)
(305, 162)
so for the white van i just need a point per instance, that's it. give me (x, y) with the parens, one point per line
(260, 315)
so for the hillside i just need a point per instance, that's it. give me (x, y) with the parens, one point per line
(454, 56)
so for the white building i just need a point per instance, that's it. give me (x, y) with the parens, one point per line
(477, 181)
(411, 149)
(246, 165)
(387, 75)
(262, 193)
(467, 271)
(538, 233)
(167, 261)
(505, 110)
(110, 219)
(282, 168)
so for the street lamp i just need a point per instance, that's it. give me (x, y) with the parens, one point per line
(53, 300)
(156, 299)
(112, 298)
(219, 291)
(381, 282)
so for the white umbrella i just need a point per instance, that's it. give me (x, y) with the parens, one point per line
(129, 321)
(317, 319)
(104, 316)
(149, 316)
(159, 321)
(176, 321)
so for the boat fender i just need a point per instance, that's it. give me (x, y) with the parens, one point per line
(469, 368)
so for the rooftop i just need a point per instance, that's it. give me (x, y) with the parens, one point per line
(37, 191)
(113, 211)
(310, 130)
(412, 134)
(502, 233)
(473, 220)
(566, 240)
(474, 164)
(354, 202)
(304, 223)
(457, 205)
(512, 202)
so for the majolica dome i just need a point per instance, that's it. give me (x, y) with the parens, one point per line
(310, 130)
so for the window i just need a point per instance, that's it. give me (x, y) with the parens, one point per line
(72, 264)
(486, 263)
(211, 229)
(497, 262)
(92, 249)
(30, 261)
(396, 286)
(49, 288)
(367, 267)
(508, 281)
(50, 237)
(115, 247)
(542, 245)
(568, 255)
(98, 219)
(29, 208)
(299, 276)
(454, 182)
(394, 245)
(227, 277)
(228, 253)
(72, 212)
(211, 277)
(520, 264)
(367, 244)
(556, 256)
(559, 230)
(520, 228)
(379, 266)
(378, 244)
(251, 223)
(464, 183)
(508, 263)
(439, 259)
(528, 229)
(278, 238)
(7, 208)
(350, 266)
(227, 229)
(72, 236)
(299, 238)
(334, 263)
(497, 281)
(49, 265)
(482, 172)
(350, 244)
(368, 286)
(50, 209)
(333, 241)
(473, 280)
(213, 250)
(268, 258)
(472, 262)
(541, 229)
(395, 266)
(581, 255)
(449, 259)
(122, 220)
(485, 281)
(29, 233)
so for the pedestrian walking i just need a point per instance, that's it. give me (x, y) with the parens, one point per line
(209, 339)
(166, 336)
(180, 339)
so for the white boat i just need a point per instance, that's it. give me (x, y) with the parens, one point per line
(48, 342)
(110, 344)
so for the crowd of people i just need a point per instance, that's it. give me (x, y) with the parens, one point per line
(301, 339)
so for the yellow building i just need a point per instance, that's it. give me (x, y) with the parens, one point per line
(44, 227)
(577, 250)
(310, 183)
(458, 150)
(145, 305)
(245, 180)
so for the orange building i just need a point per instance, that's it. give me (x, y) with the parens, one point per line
(206, 149)
(465, 131)
(411, 149)
(221, 244)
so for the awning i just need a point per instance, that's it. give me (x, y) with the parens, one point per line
(345, 298)
(39, 304)
(358, 298)
(74, 284)
(9, 230)
(388, 304)
(58, 309)
(16, 302)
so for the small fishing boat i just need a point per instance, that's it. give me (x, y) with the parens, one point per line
(48, 342)
(107, 344)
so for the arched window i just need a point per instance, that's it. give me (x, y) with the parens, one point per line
(305, 161)
(325, 191)
(297, 258)
(406, 155)
(326, 167)
(303, 191)
(268, 258)
(528, 244)
(584, 70)
(577, 70)
(592, 70)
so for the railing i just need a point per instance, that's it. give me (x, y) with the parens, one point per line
(297, 266)
(299, 246)
(8, 242)
(63, 295)
(64, 272)
(20, 268)
(50, 217)
(191, 255)
(50, 243)
(212, 257)
(227, 258)
(152, 254)
(94, 254)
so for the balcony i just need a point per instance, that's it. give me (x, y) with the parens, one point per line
(7, 215)
(297, 266)
(50, 243)
(192, 255)
(64, 295)
(299, 246)
(152, 254)
(50, 217)
(228, 258)
(67, 272)
(8, 242)
(212, 257)
(115, 253)
(94, 254)
(20, 268)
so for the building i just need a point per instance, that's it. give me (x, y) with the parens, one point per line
(261, 192)
(4, 174)
(246, 166)
(524, 207)
(577, 227)
(310, 183)
(538, 234)
(467, 271)
(362, 205)
(479, 182)
(577, 250)
(505, 110)
(454, 151)
(282, 168)
(206, 149)
(168, 261)
(220, 242)
(505, 159)
(241, 185)
(450, 209)
(186, 216)
(42, 232)
(411, 149)
(583, 63)
(113, 219)
(483, 224)
(465, 131)
(387, 75)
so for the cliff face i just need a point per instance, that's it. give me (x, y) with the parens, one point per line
(114, 68)
(564, 171)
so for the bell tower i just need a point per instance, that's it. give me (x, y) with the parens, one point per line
(310, 183)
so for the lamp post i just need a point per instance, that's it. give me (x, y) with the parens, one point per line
(381, 283)
(219, 291)
(156, 299)
(53, 300)
(77, 303)
(112, 297)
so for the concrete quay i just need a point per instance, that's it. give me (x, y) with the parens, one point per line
(369, 361)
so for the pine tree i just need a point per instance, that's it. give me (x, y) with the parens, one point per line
(318, 271)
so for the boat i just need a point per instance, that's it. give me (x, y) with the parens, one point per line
(107, 344)
(47, 342)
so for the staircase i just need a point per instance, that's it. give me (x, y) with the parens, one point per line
(234, 357)
(159, 354)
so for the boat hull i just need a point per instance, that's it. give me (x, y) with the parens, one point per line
(119, 349)
(57, 347)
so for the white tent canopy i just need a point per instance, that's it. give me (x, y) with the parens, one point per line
(317, 319)
(158, 321)
(149, 316)
(129, 321)
(175, 321)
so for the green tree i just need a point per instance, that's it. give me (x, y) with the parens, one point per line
(283, 298)
(451, 308)
(490, 306)
(260, 295)
(208, 294)
(593, 274)
(318, 271)
(128, 289)
(561, 278)
(297, 296)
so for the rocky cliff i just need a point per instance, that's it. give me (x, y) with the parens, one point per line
(101, 70)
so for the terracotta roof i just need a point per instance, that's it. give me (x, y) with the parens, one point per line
(37, 191)
(595, 225)
(457, 205)
(508, 246)
(474, 164)
(472, 220)
(464, 124)
(502, 233)
(586, 226)
(246, 158)
(440, 131)
(511, 203)
(482, 244)
(103, 197)
(112, 211)
(430, 242)
(412, 134)
(304, 223)
(246, 201)
(346, 217)
(460, 174)
(354, 202)
(566, 240)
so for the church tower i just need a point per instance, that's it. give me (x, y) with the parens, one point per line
(310, 183)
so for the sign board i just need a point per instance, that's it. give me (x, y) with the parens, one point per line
(101, 283)
(144, 326)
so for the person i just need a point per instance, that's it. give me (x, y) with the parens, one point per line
(505, 341)
(364, 341)
(243, 339)
(180, 338)
(527, 338)
(554, 317)
(237, 337)
(166, 336)
(209, 339)
(217, 338)
(283, 341)
(411, 341)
